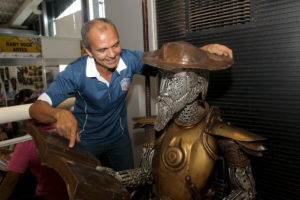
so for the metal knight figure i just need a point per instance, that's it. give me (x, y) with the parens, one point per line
(192, 136)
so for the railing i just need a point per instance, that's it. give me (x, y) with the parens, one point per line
(21, 112)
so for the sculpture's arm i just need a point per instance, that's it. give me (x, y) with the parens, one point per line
(240, 172)
(235, 143)
(139, 176)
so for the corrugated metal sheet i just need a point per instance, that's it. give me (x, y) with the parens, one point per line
(207, 14)
(170, 20)
(261, 92)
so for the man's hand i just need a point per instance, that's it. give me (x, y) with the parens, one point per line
(218, 49)
(66, 126)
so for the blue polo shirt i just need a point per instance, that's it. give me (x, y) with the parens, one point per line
(100, 107)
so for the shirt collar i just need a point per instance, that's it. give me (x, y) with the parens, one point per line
(91, 70)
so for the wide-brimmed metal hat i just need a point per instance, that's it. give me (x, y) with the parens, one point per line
(174, 55)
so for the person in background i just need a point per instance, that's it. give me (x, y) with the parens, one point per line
(100, 81)
(24, 95)
(50, 185)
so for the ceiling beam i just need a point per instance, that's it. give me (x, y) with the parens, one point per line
(28, 7)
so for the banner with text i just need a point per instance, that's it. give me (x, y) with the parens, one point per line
(20, 47)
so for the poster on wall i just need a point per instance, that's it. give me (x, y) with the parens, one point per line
(20, 47)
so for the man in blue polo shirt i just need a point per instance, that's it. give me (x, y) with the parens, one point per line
(100, 82)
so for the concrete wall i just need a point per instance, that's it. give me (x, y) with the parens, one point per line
(127, 16)
(69, 26)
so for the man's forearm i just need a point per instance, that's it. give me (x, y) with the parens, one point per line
(43, 112)
(66, 123)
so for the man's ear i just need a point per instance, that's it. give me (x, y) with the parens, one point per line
(89, 53)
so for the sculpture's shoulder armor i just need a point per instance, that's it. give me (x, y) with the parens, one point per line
(226, 130)
(248, 141)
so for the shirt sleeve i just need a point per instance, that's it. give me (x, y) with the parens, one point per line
(21, 157)
(45, 97)
(61, 88)
(140, 67)
(138, 63)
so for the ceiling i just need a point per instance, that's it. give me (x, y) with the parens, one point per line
(19, 14)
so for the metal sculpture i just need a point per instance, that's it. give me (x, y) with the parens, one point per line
(192, 136)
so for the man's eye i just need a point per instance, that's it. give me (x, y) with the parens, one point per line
(101, 50)
(116, 45)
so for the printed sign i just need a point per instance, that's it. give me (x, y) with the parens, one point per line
(20, 47)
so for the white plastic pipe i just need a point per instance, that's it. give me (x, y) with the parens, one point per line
(14, 113)
(21, 112)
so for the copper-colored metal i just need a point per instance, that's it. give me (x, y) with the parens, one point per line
(77, 167)
(145, 26)
(229, 131)
(147, 123)
(185, 155)
(179, 154)
(233, 154)
(146, 49)
(142, 121)
(178, 55)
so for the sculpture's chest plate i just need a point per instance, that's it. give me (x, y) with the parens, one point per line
(181, 153)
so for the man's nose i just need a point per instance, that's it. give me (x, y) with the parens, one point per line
(111, 53)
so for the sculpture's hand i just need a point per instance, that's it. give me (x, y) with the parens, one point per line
(218, 49)
(243, 184)
(126, 176)
(109, 171)
(134, 177)
(66, 126)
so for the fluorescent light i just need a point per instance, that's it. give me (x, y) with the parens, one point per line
(74, 7)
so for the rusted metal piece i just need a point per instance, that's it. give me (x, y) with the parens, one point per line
(146, 49)
(145, 25)
(140, 122)
(178, 55)
(77, 167)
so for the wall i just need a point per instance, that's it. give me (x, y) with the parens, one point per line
(69, 26)
(127, 16)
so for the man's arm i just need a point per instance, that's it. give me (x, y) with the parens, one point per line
(8, 185)
(66, 123)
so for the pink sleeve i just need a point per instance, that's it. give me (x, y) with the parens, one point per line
(21, 157)
(48, 127)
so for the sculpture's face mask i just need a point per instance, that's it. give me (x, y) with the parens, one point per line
(177, 89)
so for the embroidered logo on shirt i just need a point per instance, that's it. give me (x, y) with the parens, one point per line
(125, 84)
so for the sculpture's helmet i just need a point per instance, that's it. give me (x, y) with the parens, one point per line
(184, 69)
